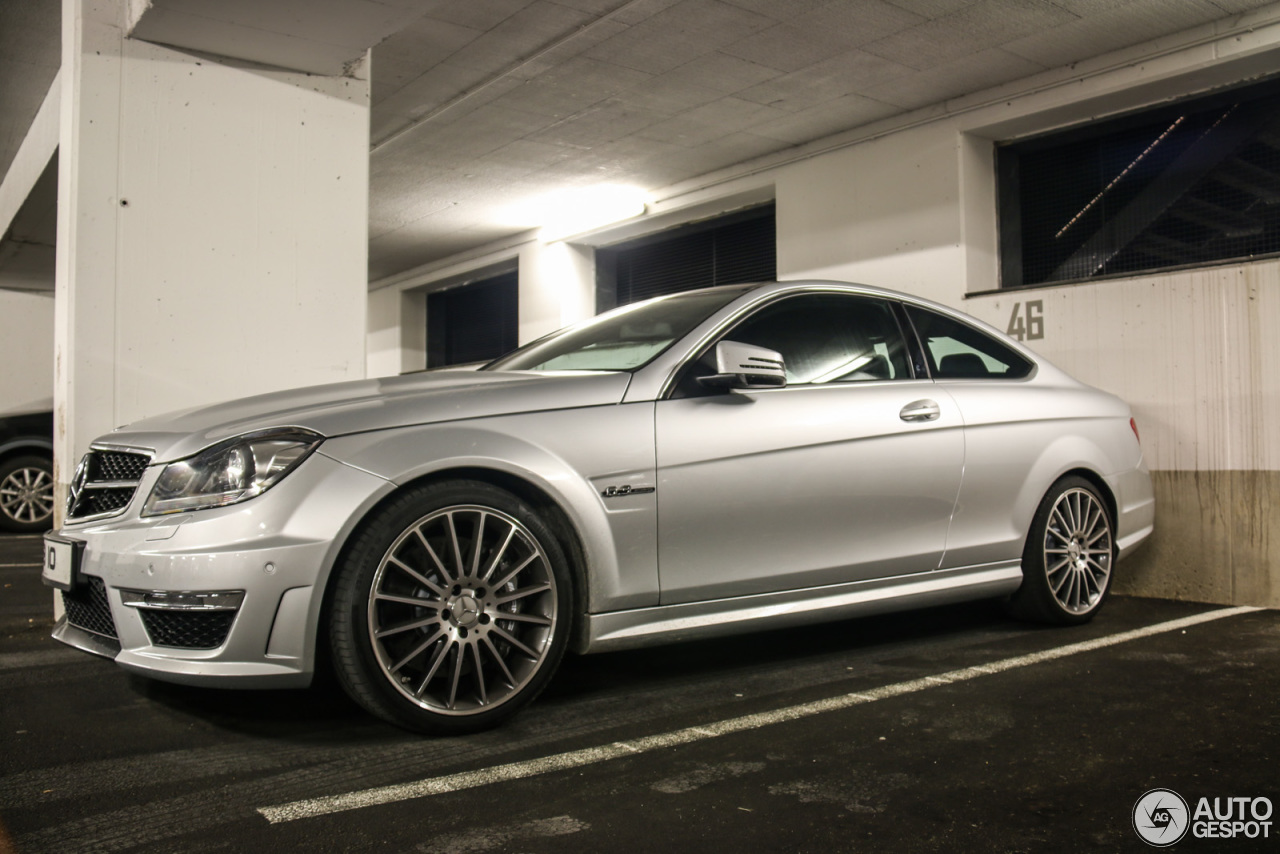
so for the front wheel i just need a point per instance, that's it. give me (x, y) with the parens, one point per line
(451, 610)
(1066, 564)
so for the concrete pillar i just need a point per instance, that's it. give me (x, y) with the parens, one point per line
(397, 332)
(212, 229)
(557, 287)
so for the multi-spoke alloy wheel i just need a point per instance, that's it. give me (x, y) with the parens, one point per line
(462, 610)
(1067, 561)
(26, 494)
(1077, 550)
(450, 613)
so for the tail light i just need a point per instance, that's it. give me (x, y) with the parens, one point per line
(1134, 425)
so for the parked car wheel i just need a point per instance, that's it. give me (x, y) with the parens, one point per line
(26, 493)
(1067, 560)
(451, 609)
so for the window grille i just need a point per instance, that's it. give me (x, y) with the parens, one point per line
(1194, 184)
(477, 322)
(732, 250)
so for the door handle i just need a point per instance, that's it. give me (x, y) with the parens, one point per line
(920, 410)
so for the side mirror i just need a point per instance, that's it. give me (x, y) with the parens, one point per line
(745, 366)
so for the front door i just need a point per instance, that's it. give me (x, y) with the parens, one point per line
(849, 473)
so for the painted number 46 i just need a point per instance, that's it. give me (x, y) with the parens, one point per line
(1027, 325)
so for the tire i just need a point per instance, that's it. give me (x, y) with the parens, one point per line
(26, 494)
(1068, 559)
(437, 635)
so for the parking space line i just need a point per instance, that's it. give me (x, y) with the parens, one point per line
(589, 756)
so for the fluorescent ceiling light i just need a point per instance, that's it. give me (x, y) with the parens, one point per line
(565, 213)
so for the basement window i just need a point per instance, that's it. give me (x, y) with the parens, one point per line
(1190, 185)
(477, 322)
(728, 250)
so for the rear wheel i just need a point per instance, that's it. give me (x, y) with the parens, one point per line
(26, 493)
(451, 610)
(1066, 564)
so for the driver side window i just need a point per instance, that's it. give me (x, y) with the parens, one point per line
(829, 338)
(823, 338)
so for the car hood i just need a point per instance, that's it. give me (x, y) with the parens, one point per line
(377, 404)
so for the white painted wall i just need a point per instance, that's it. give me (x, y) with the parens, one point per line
(557, 287)
(212, 234)
(884, 213)
(397, 337)
(26, 350)
(1196, 354)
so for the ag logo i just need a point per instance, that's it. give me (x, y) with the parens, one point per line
(1161, 817)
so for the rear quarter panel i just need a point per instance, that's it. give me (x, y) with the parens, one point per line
(1019, 439)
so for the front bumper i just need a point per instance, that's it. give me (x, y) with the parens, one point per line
(228, 596)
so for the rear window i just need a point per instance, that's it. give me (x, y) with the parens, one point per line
(958, 351)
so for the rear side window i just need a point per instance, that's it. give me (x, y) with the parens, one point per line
(958, 351)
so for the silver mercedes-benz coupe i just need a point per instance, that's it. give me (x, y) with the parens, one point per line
(718, 461)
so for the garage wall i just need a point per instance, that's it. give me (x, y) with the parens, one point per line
(396, 340)
(910, 204)
(885, 212)
(26, 350)
(1196, 353)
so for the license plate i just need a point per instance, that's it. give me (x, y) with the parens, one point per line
(61, 561)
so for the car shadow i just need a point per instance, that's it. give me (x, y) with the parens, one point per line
(585, 684)
(789, 648)
(321, 712)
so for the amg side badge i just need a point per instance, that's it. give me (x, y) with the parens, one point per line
(619, 491)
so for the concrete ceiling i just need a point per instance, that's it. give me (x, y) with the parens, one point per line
(478, 104)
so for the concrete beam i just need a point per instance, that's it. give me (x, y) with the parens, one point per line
(325, 37)
(33, 157)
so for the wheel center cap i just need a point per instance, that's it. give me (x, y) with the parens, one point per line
(466, 610)
(1073, 550)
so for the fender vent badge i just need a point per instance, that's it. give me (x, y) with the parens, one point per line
(627, 489)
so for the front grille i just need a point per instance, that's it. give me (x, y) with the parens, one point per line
(187, 629)
(116, 465)
(104, 501)
(87, 608)
(105, 483)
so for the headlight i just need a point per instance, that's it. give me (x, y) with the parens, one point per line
(230, 471)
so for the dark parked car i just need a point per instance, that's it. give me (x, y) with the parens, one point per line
(26, 472)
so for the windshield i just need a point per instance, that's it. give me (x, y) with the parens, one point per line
(624, 339)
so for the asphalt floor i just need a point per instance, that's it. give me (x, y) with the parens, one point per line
(951, 729)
